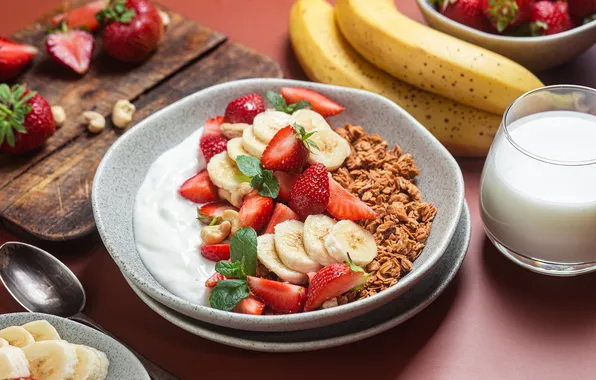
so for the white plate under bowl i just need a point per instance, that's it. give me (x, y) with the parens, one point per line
(123, 364)
(126, 163)
(382, 319)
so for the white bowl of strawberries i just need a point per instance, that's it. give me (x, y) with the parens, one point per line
(539, 34)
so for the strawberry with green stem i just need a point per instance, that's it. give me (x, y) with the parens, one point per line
(507, 14)
(72, 48)
(288, 150)
(550, 18)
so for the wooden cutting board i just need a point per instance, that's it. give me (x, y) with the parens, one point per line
(46, 194)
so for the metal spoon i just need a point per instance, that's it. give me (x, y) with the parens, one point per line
(41, 283)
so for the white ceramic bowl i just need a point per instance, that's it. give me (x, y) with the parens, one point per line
(535, 53)
(125, 165)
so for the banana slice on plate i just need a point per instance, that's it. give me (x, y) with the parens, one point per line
(310, 120)
(267, 255)
(252, 144)
(13, 363)
(17, 336)
(88, 364)
(346, 237)
(42, 330)
(316, 228)
(104, 364)
(268, 123)
(235, 148)
(51, 359)
(290, 247)
(224, 173)
(331, 151)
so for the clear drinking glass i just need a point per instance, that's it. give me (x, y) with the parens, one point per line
(538, 186)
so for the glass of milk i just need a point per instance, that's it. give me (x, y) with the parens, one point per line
(538, 187)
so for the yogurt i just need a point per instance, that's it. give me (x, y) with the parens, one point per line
(165, 225)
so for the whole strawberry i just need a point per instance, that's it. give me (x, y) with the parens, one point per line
(467, 12)
(507, 14)
(310, 193)
(244, 109)
(26, 120)
(211, 145)
(133, 29)
(550, 18)
(582, 8)
(14, 57)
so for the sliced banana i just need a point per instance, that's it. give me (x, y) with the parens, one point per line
(268, 123)
(42, 330)
(252, 144)
(331, 151)
(224, 173)
(290, 247)
(267, 255)
(51, 359)
(88, 364)
(235, 148)
(17, 336)
(3, 343)
(346, 237)
(104, 364)
(316, 228)
(13, 363)
(310, 120)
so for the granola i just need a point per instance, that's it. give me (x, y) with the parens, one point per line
(383, 178)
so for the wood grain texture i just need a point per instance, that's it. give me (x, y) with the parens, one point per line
(47, 194)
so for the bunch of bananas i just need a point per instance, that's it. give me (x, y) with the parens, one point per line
(458, 91)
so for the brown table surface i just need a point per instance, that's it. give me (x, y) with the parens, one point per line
(495, 321)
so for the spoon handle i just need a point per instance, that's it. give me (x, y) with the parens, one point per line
(154, 371)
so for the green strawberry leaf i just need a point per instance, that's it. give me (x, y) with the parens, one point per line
(305, 137)
(226, 294)
(243, 249)
(13, 111)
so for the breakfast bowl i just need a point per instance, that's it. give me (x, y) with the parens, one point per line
(535, 53)
(125, 167)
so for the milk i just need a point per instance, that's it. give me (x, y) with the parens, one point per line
(539, 209)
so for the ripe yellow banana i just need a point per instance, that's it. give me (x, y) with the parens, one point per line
(326, 57)
(432, 60)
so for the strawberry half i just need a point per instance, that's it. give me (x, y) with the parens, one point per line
(71, 48)
(212, 210)
(250, 305)
(216, 252)
(82, 17)
(214, 279)
(287, 151)
(332, 281)
(199, 189)
(345, 205)
(281, 213)
(14, 57)
(281, 297)
(244, 109)
(256, 211)
(211, 145)
(286, 181)
(310, 193)
(212, 125)
(320, 103)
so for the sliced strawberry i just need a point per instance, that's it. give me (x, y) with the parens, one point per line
(199, 189)
(71, 48)
(250, 305)
(310, 193)
(244, 109)
(214, 279)
(286, 181)
(281, 213)
(256, 211)
(212, 126)
(332, 281)
(211, 145)
(344, 205)
(280, 296)
(211, 210)
(286, 151)
(81, 17)
(14, 57)
(320, 103)
(216, 252)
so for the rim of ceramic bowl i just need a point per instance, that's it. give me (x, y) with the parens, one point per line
(526, 40)
(210, 314)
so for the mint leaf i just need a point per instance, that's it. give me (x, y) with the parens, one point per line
(227, 293)
(243, 249)
(229, 269)
(278, 102)
(269, 187)
(301, 105)
(249, 166)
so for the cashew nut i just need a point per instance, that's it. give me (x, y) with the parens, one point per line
(234, 219)
(233, 130)
(96, 122)
(165, 18)
(122, 113)
(59, 115)
(332, 302)
(239, 192)
(216, 234)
